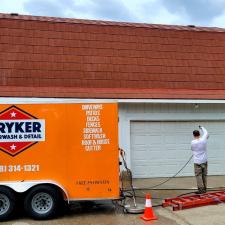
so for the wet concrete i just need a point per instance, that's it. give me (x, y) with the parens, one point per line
(108, 214)
(105, 214)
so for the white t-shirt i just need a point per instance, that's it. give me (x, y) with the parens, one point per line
(198, 147)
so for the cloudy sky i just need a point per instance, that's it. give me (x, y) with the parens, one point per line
(181, 12)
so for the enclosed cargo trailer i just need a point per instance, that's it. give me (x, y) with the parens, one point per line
(57, 152)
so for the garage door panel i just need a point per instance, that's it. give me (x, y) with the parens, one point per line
(140, 155)
(140, 162)
(160, 149)
(139, 140)
(153, 139)
(180, 155)
(156, 127)
(136, 128)
(218, 155)
(139, 148)
(167, 147)
(147, 140)
(157, 155)
(216, 145)
(183, 147)
(215, 167)
(216, 136)
(210, 125)
(183, 139)
(141, 172)
(169, 139)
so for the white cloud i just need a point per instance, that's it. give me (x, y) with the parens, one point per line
(200, 12)
(163, 16)
(218, 21)
(197, 12)
(12, 6)
(154, 12)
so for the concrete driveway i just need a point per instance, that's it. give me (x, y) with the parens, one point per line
(207, 215)
(107, 214)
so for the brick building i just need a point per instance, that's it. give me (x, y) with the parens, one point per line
(166, 79)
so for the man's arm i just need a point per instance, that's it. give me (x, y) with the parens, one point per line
(205, 133)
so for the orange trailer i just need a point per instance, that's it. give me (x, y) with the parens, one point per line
(57, 151)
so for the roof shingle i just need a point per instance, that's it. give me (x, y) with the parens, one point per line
(56, 57)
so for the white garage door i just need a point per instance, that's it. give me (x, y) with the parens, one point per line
(160, 149)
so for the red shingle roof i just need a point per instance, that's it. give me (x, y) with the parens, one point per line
(55, 57)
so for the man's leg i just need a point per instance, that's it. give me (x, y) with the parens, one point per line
(198, 175)
(204, 175)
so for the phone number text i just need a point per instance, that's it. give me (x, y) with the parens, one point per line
(19, 168)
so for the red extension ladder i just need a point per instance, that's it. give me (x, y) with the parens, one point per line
(196, 200)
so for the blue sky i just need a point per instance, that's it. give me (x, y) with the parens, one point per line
(180, 12)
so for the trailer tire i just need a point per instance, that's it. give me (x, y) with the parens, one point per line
(7, 203)
(42, 202)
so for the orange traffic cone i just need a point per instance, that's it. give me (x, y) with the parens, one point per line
(148, 214)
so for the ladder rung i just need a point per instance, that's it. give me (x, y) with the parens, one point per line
(185, 199)
(191, 201)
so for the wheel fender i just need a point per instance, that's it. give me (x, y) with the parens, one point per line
(22, 186)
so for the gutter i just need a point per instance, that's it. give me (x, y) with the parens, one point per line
(31, 100)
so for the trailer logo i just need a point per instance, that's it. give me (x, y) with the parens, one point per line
(19, 130)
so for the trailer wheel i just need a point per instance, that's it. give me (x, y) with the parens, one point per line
(42, 202)
(7, 203)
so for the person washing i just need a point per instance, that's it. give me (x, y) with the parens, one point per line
(199, 150)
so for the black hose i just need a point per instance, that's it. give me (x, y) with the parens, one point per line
(159, 205)
(172, 176)
(131, 193)
(175, 189)
(152, 187)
